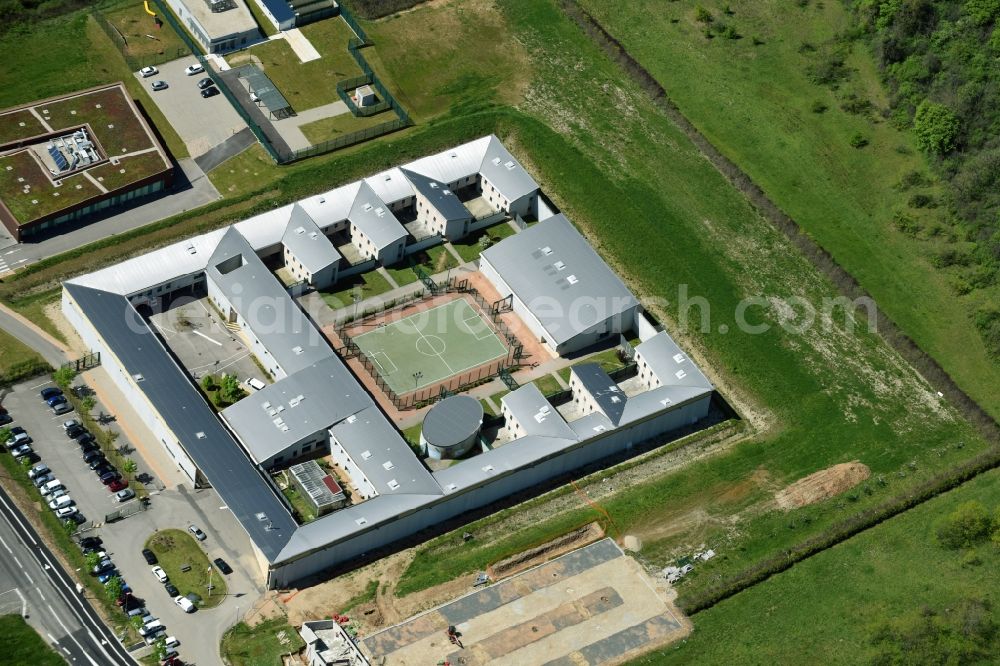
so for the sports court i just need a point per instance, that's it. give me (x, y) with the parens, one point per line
(431, 345)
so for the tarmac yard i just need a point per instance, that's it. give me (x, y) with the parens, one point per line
(590, 606)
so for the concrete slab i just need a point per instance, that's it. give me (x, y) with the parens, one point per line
(591, 606)
(301, 45)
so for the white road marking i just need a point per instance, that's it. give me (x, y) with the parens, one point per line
(6, 546)
(21, 566)
(39, 386)
(39, 590)
(17, 249)
(28, 576)
(72, 637)
(214, 342)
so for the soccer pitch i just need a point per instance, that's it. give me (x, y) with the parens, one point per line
(428, 347)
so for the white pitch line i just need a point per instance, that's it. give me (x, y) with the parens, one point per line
(39, 386)
(214, 342)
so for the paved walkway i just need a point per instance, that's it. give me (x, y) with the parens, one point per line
(52, 350)
(231, 147)
(301, 45)
(290, 128)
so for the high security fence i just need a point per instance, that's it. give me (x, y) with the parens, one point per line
(134, 62)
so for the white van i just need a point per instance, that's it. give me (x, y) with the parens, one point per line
(54, 484)
(255, 384)
(60, 502)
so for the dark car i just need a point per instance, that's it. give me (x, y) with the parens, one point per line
(110, 477)
(91, 542)
(104, 469)
(205, 83)
(89, 447)
(171, 589)
(75, 431)
(78, 518)
(50, 392)
(149, 556)
(5, 419)
(223, 566)
(210, 92)
(93, 458)
(83, 435)
(56, 400)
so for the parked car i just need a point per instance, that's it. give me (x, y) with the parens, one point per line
(205, 83)
(154, 636)
(185, 604)
(153, 627)
(171, 589)
(110, 477)
(38, 470)
(169, 656)
(71, 423)
(42, 479)
(91, 542)
(55, 400)
(149, 556)
(60, 502)
(75, 430)
(21, 451)
(65, 512)
(124, 495)
(57, 493)
(92, 455)
(210, 92)
(223, 566)
(107, 575)
(98, 461)
(61, 408)
(147, 72)
(160, 574)
(83, 435)
(104, 469)
(18, 439)
(196, 68)
(5, 418)
(171, 642)
(255, 383)
(159, 85)
(138, 611)
(116, 486)
(198, 534)
(50, 392)
(53, 485)
(104, 565)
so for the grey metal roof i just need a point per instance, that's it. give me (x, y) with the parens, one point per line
(271, 314)
(559, 277)
(535, 414)
(372, 216)
(242, 487)
(510, 457)
(670, 364)
(605, 392)
(271, 420)
(452, 421)
(504, 172)
(659, 400)
(438, 195)
(262, 86)
(307, 242)
(383, 455)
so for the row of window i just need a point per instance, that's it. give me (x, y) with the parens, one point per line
(97, 206)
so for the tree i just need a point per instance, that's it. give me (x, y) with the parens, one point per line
(137, 621)
(230, 390)
(113, 588)
(92, 560)
(87, 404)
(129, 467)
(69, 527)
(965, 527)
(160, 649)
(936, 127)
(982, 12)
(64, 376)
(208, 383)
(965, 633)
(702, 15)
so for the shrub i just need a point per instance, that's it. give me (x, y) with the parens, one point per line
(936, 128)
(965, 527)
(856, 105)
(702, 15)
(729, 32)
(921, 200)
(208, 383)
(982, 12)
(988, 324)
(818, 107)
(828, 68)
(858, 140)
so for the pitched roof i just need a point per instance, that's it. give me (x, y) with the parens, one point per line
(372, 216)
(535, 414)
(504, 172)
(609, 397)
(559, 277)
(670, 364)
(307, 242)
(438, 195)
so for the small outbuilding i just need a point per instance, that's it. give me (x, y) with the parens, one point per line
(364, 96)
(451, 427)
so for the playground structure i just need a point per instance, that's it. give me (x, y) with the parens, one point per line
(156, 19)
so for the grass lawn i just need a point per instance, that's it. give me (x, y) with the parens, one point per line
(891, 571)
(412, 434)
(370, 284)
(843, 197)
(401, 275)
(265, 25)
(22, 645)
(135, 24)
(262, 645)
(487, 409)
(345, 123)
(300, 504)
(310, 84)
(469, 247)
(244, 173)
(607, 359)
(17, 360)
(435, 260)
(34, 309)
(548, 385)
(177, 548)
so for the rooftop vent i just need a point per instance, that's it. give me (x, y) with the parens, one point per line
(368, 207)
(546, 250)
(679, 358)
(599, 428)
(615, 400)
(365, 455)
(297, 349)
(313, 235)
(322, 200)
(489, 469)
(393, 484)
(680, 374)
(138, 377)
(496, 161)
(300, 230)
(387, 465)
(388, 177)
(352, 418)
(572, 279)
(509, 164)
(452, 486)
(200, 435)
(361, 521)
(261, 516)
(453, 155)
(434, 186)
(559, 265)
(666, 401)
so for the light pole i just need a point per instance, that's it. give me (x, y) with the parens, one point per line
(416, 379)
(209, 580)
(357, 299)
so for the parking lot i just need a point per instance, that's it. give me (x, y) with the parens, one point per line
(201, 123)
(179, 507)
(202, 344)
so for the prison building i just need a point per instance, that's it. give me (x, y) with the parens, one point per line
(559, 286)
(375, 231)
(307, 252)
(438, 207)
(219, 26)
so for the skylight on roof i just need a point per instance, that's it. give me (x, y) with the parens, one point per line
(393, 484)
(546, 250)
(365, 455)
(572, 279)
(300, 230)
(387, 465)
(679, 358)
(297, 349)
(496, 161)
(368, 207)
(509, 164)
(559, 265)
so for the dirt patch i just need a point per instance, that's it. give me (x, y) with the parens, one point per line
(822, 485)
(547, 551)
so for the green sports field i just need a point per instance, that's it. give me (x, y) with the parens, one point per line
(430, 346)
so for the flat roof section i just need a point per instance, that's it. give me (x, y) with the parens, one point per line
(220, 25)
(452, 421)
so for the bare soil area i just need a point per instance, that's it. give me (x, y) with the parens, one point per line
(822, 485)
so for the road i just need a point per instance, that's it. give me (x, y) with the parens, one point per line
(29, 574)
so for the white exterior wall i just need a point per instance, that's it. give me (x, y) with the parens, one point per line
(383, 534)
(520, 309)
(646, 376)
(358, 478)
(266, 359)
(392, 253)
(130, 389)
